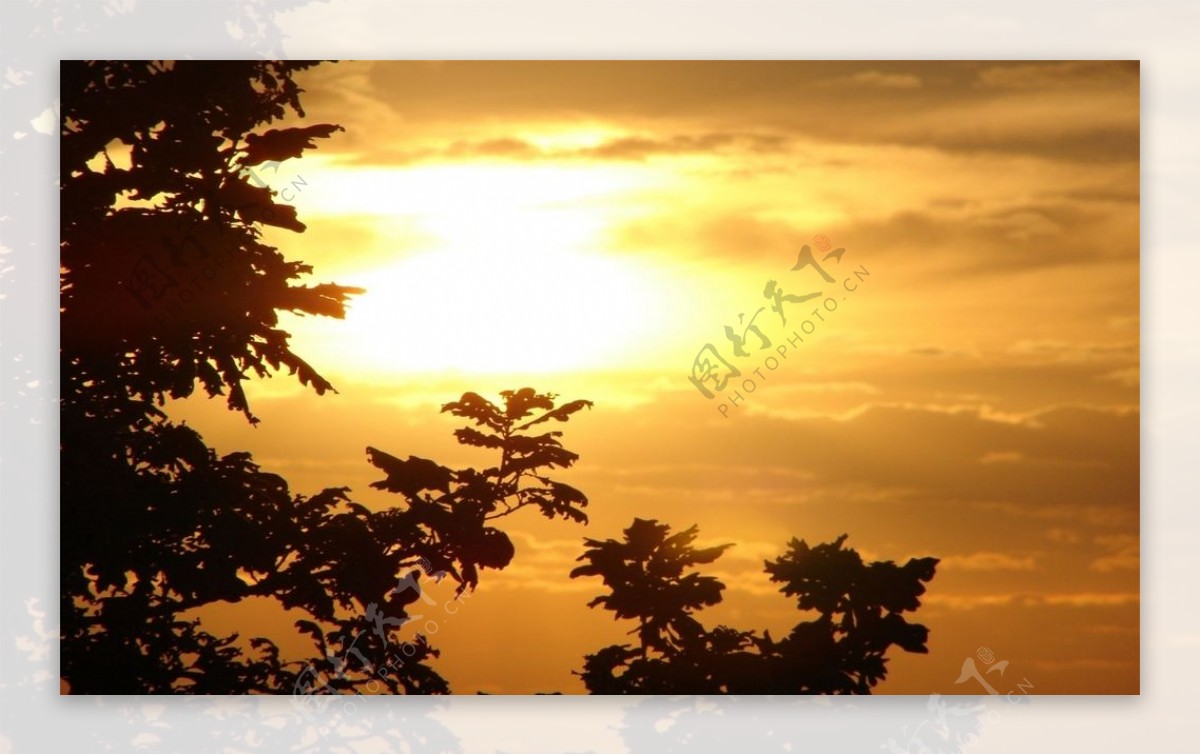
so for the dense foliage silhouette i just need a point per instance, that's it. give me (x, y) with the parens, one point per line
(166, 287)
(856, 611)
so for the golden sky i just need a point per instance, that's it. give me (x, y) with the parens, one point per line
(587, 227)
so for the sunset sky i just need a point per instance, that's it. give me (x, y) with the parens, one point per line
(586, 228)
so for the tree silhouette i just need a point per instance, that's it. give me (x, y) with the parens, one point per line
(858, 611)
(442, 529)
(166, 287)
(166, 281)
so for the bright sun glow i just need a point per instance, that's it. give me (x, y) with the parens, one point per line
(513, 277)
(520, 308)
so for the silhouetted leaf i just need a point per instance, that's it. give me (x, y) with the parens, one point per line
(472, 437)
(282, 144)
(562, 413)
(477, 409)
(411, 476)
(520, 404)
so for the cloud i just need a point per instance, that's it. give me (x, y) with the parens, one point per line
(1001, 457)
(996, 227)
(1129, 376)
(843, 387)
(1068, 74)
(1063, 456)
(642, 147)
(1022, 225)
(507, 147)
(1062, 535)
(1080, 126)
(1100, 516)
(968, 602)
(1123, 552)
(1020, 238)
(1090, 599)
(988, 561)
(1075, 111)
(885, 80)
(722, 236)
(542, 564)
(1077, 351)
(629, 147)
